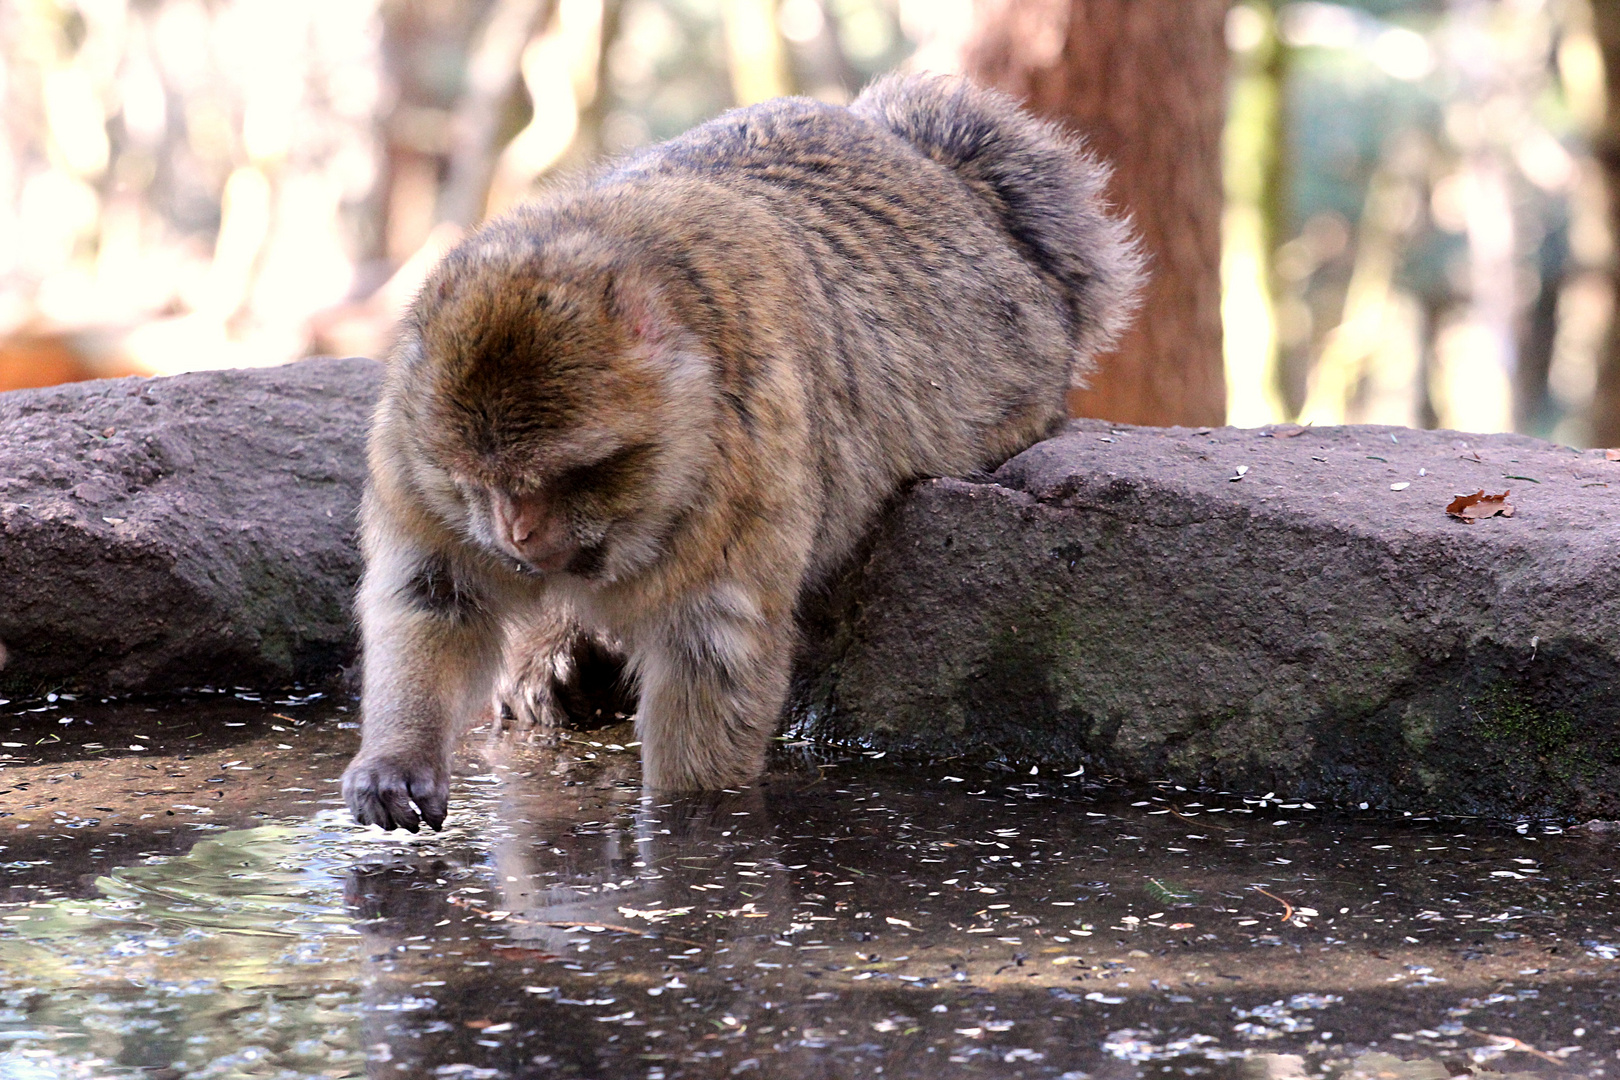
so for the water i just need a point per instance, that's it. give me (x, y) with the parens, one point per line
(202, 907)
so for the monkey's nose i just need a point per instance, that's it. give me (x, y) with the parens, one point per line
(517, 519)
(529, 530)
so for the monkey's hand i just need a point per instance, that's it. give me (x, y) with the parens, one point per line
(389, 790)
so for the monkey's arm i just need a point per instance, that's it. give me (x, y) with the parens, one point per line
(432, 644)
(713, 681)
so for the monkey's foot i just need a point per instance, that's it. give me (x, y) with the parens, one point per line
(580, 683)
(668, 769)
(526, 695)
(382, 790)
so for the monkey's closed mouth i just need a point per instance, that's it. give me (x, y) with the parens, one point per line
(584, 562)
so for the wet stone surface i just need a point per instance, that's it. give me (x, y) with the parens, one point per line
(182, 894)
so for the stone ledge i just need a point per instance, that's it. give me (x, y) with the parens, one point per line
(1109, 598)
(163, 533)
(1113, 599)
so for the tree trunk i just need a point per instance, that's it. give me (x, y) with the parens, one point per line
(1144, 82)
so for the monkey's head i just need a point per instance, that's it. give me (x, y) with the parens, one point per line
(556, 410)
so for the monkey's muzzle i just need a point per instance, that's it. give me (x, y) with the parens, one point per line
(529, 528)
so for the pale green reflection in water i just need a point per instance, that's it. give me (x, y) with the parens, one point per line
(235, 959)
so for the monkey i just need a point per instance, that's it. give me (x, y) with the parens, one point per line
(672, 396)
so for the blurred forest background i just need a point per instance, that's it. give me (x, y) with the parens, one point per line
(1408, 217)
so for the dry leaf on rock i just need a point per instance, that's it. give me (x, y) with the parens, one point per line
(1470, 508)
(1612, 455)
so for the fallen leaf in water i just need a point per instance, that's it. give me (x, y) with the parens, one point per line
(1168, 892)
(655, 915)
(1470, 508)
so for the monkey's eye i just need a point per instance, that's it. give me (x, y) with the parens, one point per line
(617, 471)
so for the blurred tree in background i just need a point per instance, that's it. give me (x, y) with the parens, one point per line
(1146, 85)
(1412, 226)
(1606, 143)
(197, 183)
(1415, 227)
(178, 179)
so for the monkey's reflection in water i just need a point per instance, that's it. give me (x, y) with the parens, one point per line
(698, 867)
(704, 869)
(673, 864)
(445, 966)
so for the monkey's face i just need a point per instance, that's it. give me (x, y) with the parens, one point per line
(593, 513)
(558, 413)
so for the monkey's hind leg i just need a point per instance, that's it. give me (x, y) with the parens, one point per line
(713, 682)
(536, 655)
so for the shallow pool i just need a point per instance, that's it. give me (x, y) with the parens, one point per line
(184, 896)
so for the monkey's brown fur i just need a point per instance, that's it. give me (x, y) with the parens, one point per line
(671, 397)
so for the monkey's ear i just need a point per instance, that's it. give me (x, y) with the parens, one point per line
(637, 302)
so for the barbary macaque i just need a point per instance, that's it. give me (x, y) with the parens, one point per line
(669, 398)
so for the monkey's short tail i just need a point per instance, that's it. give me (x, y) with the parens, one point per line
(1047, 191)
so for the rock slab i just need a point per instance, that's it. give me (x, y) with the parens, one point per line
(1258, 610)
(1279, 609)
(165, 533)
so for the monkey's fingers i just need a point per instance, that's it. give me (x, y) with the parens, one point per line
(396, 801)
(527, 706)
(432, 797)
(379, 794)
(360, 796)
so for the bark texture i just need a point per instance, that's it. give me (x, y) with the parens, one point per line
(1145, 84)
